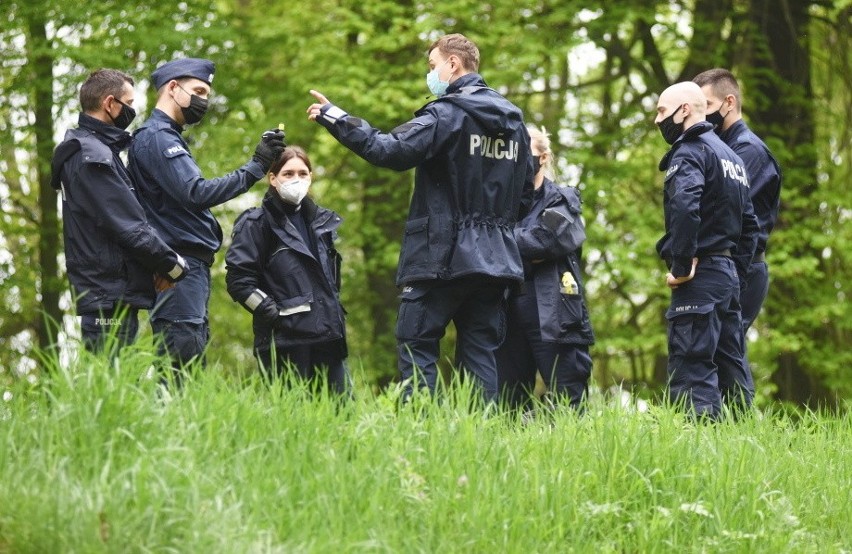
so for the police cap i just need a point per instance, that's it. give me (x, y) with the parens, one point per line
(197, 68)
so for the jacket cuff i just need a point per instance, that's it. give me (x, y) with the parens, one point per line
(681, 267)
(177, 272)
(330, 114)
(256, 169)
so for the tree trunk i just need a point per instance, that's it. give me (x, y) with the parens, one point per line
(41, 65)
(781, 106)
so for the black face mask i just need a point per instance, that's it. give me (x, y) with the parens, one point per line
(669, 129)
(717, 119)
(536, 164)
(196, 109)
(125, 116)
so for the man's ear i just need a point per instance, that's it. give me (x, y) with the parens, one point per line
(730, 100)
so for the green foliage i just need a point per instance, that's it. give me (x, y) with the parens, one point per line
(589, 74)
(99, 460)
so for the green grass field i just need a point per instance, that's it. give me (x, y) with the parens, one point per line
(98, 461)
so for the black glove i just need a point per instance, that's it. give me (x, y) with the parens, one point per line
(269, 148)
(267, 311)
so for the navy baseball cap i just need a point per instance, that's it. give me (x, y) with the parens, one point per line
(185, 67)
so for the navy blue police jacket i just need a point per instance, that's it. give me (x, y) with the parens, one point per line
(269, 254)
(111, 251)
(547, 254)
(471, 152)
(706, 202)
(764, 176)
(176, 197)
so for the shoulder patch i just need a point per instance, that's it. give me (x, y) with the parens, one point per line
(174, 151)
(672, 170)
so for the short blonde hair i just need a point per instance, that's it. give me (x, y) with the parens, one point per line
(540, 141)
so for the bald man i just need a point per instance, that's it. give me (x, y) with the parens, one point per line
(710, 238)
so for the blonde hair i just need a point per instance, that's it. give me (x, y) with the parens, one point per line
(540, 141)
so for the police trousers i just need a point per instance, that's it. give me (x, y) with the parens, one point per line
(109, 329)
(309, 362)
(754, 292)
(706, 364)
(476, 306)
(565, 368)
(179, 317)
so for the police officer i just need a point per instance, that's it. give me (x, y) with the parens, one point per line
(282, 266)
(113, 257)
(177, 198)
(724, 107)
(471, 153)
(708, 220)
(548, 327)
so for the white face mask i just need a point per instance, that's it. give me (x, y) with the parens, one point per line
(293, 191)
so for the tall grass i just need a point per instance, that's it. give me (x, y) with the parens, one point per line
(97, 459)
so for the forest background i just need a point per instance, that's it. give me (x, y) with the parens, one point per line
(590, 72)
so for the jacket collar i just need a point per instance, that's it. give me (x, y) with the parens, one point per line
(273, 203)
(161, 116)
(734, 130)
(117, 139)
(471, 79)
(688, 136)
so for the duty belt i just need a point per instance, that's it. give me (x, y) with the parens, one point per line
(197, 252)
(726, 252)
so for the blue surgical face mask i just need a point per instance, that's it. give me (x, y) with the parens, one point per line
(434, 82)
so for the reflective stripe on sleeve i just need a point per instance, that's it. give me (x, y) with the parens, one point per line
(254, 299)
(333, 114)
(178, 269)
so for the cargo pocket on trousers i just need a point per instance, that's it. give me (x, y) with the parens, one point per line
(689, 331)
(412, 313)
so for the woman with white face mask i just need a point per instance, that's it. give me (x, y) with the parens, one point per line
(283, 267)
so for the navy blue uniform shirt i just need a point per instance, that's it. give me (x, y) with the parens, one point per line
(705, 202)
(176, 197)
(764, 176)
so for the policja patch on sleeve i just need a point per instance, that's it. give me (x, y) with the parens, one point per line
(175, 151)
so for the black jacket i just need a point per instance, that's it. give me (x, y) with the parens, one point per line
(111, 252)
(471, 150)
(705, 202)
(268, 256)
(548, 252)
